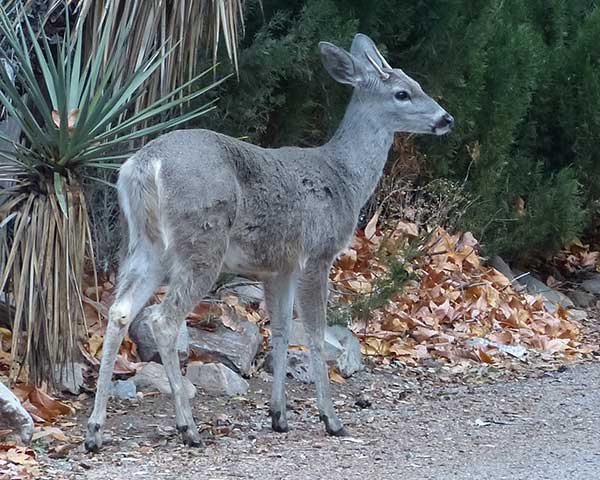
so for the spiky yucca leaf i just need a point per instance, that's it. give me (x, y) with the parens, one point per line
(76, 111)
(157, 25)
(79, 114)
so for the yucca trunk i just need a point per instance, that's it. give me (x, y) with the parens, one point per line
(43, 259)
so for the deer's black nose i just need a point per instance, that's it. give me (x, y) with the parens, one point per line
(447, 121)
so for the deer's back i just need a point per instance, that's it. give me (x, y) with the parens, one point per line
(284, 206)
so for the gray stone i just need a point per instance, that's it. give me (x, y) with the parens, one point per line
(342, 349)
(247, 291)
(578, 315)
(350, 360)
(537, 287)
(502, 267)
(298, 365)
(123, 389)
(236, 348)
(153, 376)
(14, 417)
(216, 379)
(69, 378)
(592, 284)
(333, 347)
(140, 332)
(582, 299)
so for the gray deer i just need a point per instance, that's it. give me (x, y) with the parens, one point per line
(198, 202)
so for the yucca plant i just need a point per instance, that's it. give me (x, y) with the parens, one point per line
(188, 26)
(76, 115)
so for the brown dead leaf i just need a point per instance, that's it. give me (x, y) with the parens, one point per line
(336, 376)
(371, 227)
(95, 345)
(17, 455)
(407, 229)
(51, 432)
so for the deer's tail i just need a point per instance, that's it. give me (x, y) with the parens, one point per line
(138, 197)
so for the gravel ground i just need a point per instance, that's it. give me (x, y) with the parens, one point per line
(530, 424)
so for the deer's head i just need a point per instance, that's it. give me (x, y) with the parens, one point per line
(394, 97)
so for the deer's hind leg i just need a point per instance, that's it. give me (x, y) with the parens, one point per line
(139, 277)
(196, 259)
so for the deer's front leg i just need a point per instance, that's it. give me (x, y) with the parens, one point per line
(117, 326)
(312, 296)
(279, 296)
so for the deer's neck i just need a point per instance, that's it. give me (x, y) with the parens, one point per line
(360, 148)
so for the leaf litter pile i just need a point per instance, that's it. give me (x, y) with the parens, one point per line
(450, 307)
(454, 307)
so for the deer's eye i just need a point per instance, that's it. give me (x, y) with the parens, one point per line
(402, 95)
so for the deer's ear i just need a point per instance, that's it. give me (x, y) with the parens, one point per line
(342, 66)
(363, 46)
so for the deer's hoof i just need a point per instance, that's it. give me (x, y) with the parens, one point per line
(93, 438)
(340, 432)
(190, 436)
(334, 427)
(279, 422)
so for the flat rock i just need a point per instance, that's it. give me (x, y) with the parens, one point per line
(350, 360)
(123, 389)
(341, 347)
(333, 347)
(69, 378)
(235, 348)
(578, 315)
(247, 291)
(298, 365)
(216, 379)
(582, 299)
(153, 376)
(502, 267)
(14, 417)
(537, 287)
(140, 332)
(592, 284)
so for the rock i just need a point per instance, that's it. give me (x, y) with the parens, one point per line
(592, 284)
(582, 299)
(140, 332)
(577, 315)
(14, 417)
(502, 267)
(537, 287)
(216, 379)
(69, 377)
(247, 291)
(123, 389)
(350, 360)
(342, 349)
(153, 376)
(333, 347)
(298, 365)
(235, 348)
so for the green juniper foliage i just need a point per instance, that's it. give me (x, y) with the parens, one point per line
(521, 78)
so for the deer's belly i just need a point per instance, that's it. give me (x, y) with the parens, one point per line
(265, 259)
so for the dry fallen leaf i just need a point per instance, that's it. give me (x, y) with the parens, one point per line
(42, 406)
(371, 227)
(336, 376)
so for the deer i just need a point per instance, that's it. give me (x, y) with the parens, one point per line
(197, 203)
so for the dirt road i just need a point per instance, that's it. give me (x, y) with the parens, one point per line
(542, 426)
